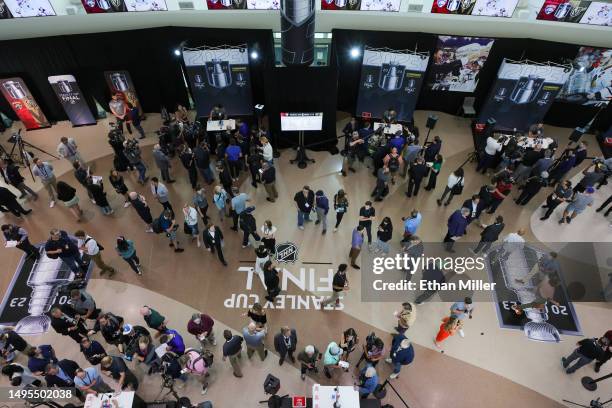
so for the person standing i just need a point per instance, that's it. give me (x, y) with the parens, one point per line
(115, 367)
(68, 149)
(266, 150)
(435, 167)
(502, 190)
(559, 171)
(92, 351)
(382, 184)
(160, 192)
(44, 172)
(457, 225)
(90, 247)
(308, 360)
(220, 200)
(383, 235)
(304, 201)
(232, 349)
(67, 325)
(95, 187)
(393, 161)
(411, 224)
(490, 152)
(454, 186)
(322, 208)
(340, 207)
(202, 161)
(587, 351)
(19, 235)
(268, 178)
(580, 202)
(367, 214)
(562, 193)
(188, 160)
(168, 224)
(285, 344)
(271, 280)
(225, 178)
(356, 244)
(118, 184)
(604, 205)
(190, 215)
(248, 225)
(331, 358)
(532, 186)
(201, 326)
(132, 152)
(449, 326)
(213, 241)
(254, 340)
(405, 317)
(89, 381)
(11, 175)
(268, 237)
(154, 319)
(474, 206)
(173, 340)
(348, 343)
(142, 209)
(489, 235)
(119, 109)
(401, 354)
(8, 202)
(133, 117)
(60, 245)
(127, 250)
(339, 285)
(416, 174)
(238, 205)
(200, 203)
(233, 156)
(163, 163)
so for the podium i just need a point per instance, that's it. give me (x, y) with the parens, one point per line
(389, 129)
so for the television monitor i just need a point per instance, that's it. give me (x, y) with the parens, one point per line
(243, 4)
(29, 8)
(361, 5)
(301, 121)
(489, 8)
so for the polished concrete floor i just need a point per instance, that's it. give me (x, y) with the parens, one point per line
(489, 367)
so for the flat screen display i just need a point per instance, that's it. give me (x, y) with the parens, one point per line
(29, 8)
(489, 8)
(122, 6)
(243, 4)
(362, 5)
(301, 121)
(577, 11)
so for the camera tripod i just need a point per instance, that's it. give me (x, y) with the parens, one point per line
(593, 404)
(168, 383)
(22, 157)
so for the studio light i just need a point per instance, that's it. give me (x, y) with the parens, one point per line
(355, 52)
(177, 52)
(254, 55)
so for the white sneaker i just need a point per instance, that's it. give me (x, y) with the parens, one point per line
(301, 227)
(388, 360)
(335, 229)
(393, 376)
(52, 204)
(462, 333)
(204, 391)
(126, 204)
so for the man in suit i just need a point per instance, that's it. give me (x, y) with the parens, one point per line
(61, 375)
(18, 234)
(418, 170)
(163, 163)
(285, 343)
(489, 235)
(474, 206)
(213, 239)
(67, 325)
(10, 174)
(8, 202)
(457, 224)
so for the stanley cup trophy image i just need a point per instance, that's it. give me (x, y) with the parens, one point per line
(391, 76)
(20, 97)
(119, 81)
(64, 87)
(14, 89)
(519, 267)
(297, 31)
(46, 278)
(219, 74)
(526, 89)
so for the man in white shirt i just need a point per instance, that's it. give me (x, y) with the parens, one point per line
(267, 151)
(490, 150)
(513, 241)
(68, 149)
(88, 246)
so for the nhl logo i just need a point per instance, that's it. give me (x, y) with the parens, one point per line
(549, 9)
(441, 3)
(287, 252)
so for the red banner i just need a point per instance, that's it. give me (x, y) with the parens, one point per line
(121, 82)
(21, 100)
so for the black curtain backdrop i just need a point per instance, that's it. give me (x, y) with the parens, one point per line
(560, 114)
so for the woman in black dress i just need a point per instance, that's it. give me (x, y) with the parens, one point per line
(96, 189)
(258, 316)
(118, 184)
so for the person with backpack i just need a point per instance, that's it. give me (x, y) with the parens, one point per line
(454, 186)
(197, 363)
(168, 225)
(220, 200)
(322, 208)
(126, 250)
(90, 248)
(394, 162)
(340, 206)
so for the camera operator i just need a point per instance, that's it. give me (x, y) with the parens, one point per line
(347, 131)
(308, 359)
(67, 325)
(373, 350)
(133, 154)
(120, 161)
(354, 152)
(130, 338)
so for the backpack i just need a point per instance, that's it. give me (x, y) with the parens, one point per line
(156, 225)
(100, 247)
(458, 187)
(393, 163)
(205, 355)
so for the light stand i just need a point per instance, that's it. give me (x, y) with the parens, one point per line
(23, 157)
(591, 384)
(387, 382)
(431, 123)
(301, 158)
(593, 404)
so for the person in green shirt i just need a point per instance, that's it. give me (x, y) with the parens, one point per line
(331, 358)
(154, 319)
(433, 174)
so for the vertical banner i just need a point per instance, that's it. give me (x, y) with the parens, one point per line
(523, 93)
(219, 76)
(21, 100)
(590, 82)
(297, 31)
(71, 98)
(390, 79)
(457, 63)
(121, 82)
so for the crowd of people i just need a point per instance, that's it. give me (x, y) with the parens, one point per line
(247, 151)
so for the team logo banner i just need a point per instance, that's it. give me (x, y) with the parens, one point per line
(577, 11)
(71, 98)
(243, 4)
(28, 8)
(390, 79)
(21, 100)
(490, 8)
(457, 63)
(219, 76)
(523, 93)
(121, 82)
(363, 5)
(590, 81)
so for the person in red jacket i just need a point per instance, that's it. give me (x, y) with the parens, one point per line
(201, 326)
